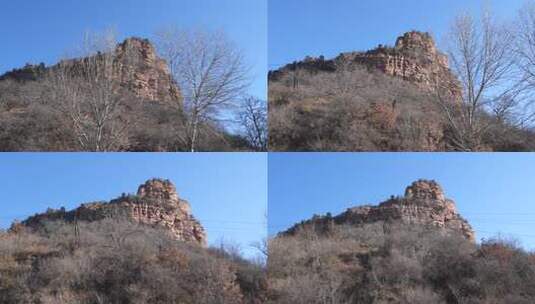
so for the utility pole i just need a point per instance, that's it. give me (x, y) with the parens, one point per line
(76, 230)
(295, 78)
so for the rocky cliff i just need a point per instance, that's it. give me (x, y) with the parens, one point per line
(424, 203)
(414, 58)
(156, 204)
(136, 69)
(149, 77)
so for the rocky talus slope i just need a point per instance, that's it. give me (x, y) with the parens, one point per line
(424, 203)
(156, 204)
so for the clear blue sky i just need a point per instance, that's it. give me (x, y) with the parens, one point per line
(495, 192)
(227, 191)
(42, 31)
(298, 28)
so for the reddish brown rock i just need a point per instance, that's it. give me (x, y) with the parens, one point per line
(156, 204)
(141, 71)
(414, 58)
(425, 190)
(424, 204)
(137, 70)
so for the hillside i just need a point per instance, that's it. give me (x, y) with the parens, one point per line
(423, 204)
(414, 58)
(123, 99)
(136, 69)
(384, 99)
(155, 204)
(143, 248)
(411, 249)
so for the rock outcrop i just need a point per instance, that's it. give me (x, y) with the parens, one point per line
(137, 69)
(424, 203)
(156, 204)
(414, 58)
(148, 77)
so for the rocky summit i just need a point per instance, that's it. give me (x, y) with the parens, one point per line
(424, 203)
(137, 69)
(414, 58)
(156, 204)
(148, 77)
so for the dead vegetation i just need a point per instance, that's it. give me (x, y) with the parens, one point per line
(117, 261)
(381, 263)
(348, 105)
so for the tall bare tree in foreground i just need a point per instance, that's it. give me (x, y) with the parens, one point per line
(210, 71)
(483, 58)
(252, 117)
(525, 47)
(84, 92)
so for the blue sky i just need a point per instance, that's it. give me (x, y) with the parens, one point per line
(43, 31)
(298, 28)
(227, 191)
(495, 192)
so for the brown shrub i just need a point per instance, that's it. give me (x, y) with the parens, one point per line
(115, 261)
(381, 263)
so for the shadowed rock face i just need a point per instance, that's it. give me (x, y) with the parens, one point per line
(414, 58)
(424, 203)
(156, 204)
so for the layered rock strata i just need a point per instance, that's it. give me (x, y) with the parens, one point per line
(424, 203)
(156, 204)
(414, 58)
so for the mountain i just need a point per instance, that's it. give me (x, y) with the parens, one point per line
(156, 204)
(403, 97)
(143, 248)
(414, 58)
(424, 203)
(137, 69)
(121, 99)
(412, 249)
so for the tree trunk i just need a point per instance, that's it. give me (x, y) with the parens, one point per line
(194, 132)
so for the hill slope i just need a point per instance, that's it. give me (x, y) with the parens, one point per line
(414, 249)
(423, 204)
(383, 99)
(121, 99)
(136, 68)
(144, 248)
(414, 58)
(156, 204)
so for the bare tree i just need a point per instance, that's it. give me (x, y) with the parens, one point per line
(483, 59)
(84, 92)
(252, 117)
(526, 40)
(210, 71)
(525, 48)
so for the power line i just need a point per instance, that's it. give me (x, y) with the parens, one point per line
(238, 226)
(507, 233)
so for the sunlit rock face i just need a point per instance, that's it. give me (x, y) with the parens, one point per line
(414, 58)
(140, 70)
(156, 204)
(136, 69)
(424, 203)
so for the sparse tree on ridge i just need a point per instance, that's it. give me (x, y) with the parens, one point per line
(209, 70)
(252, 117)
